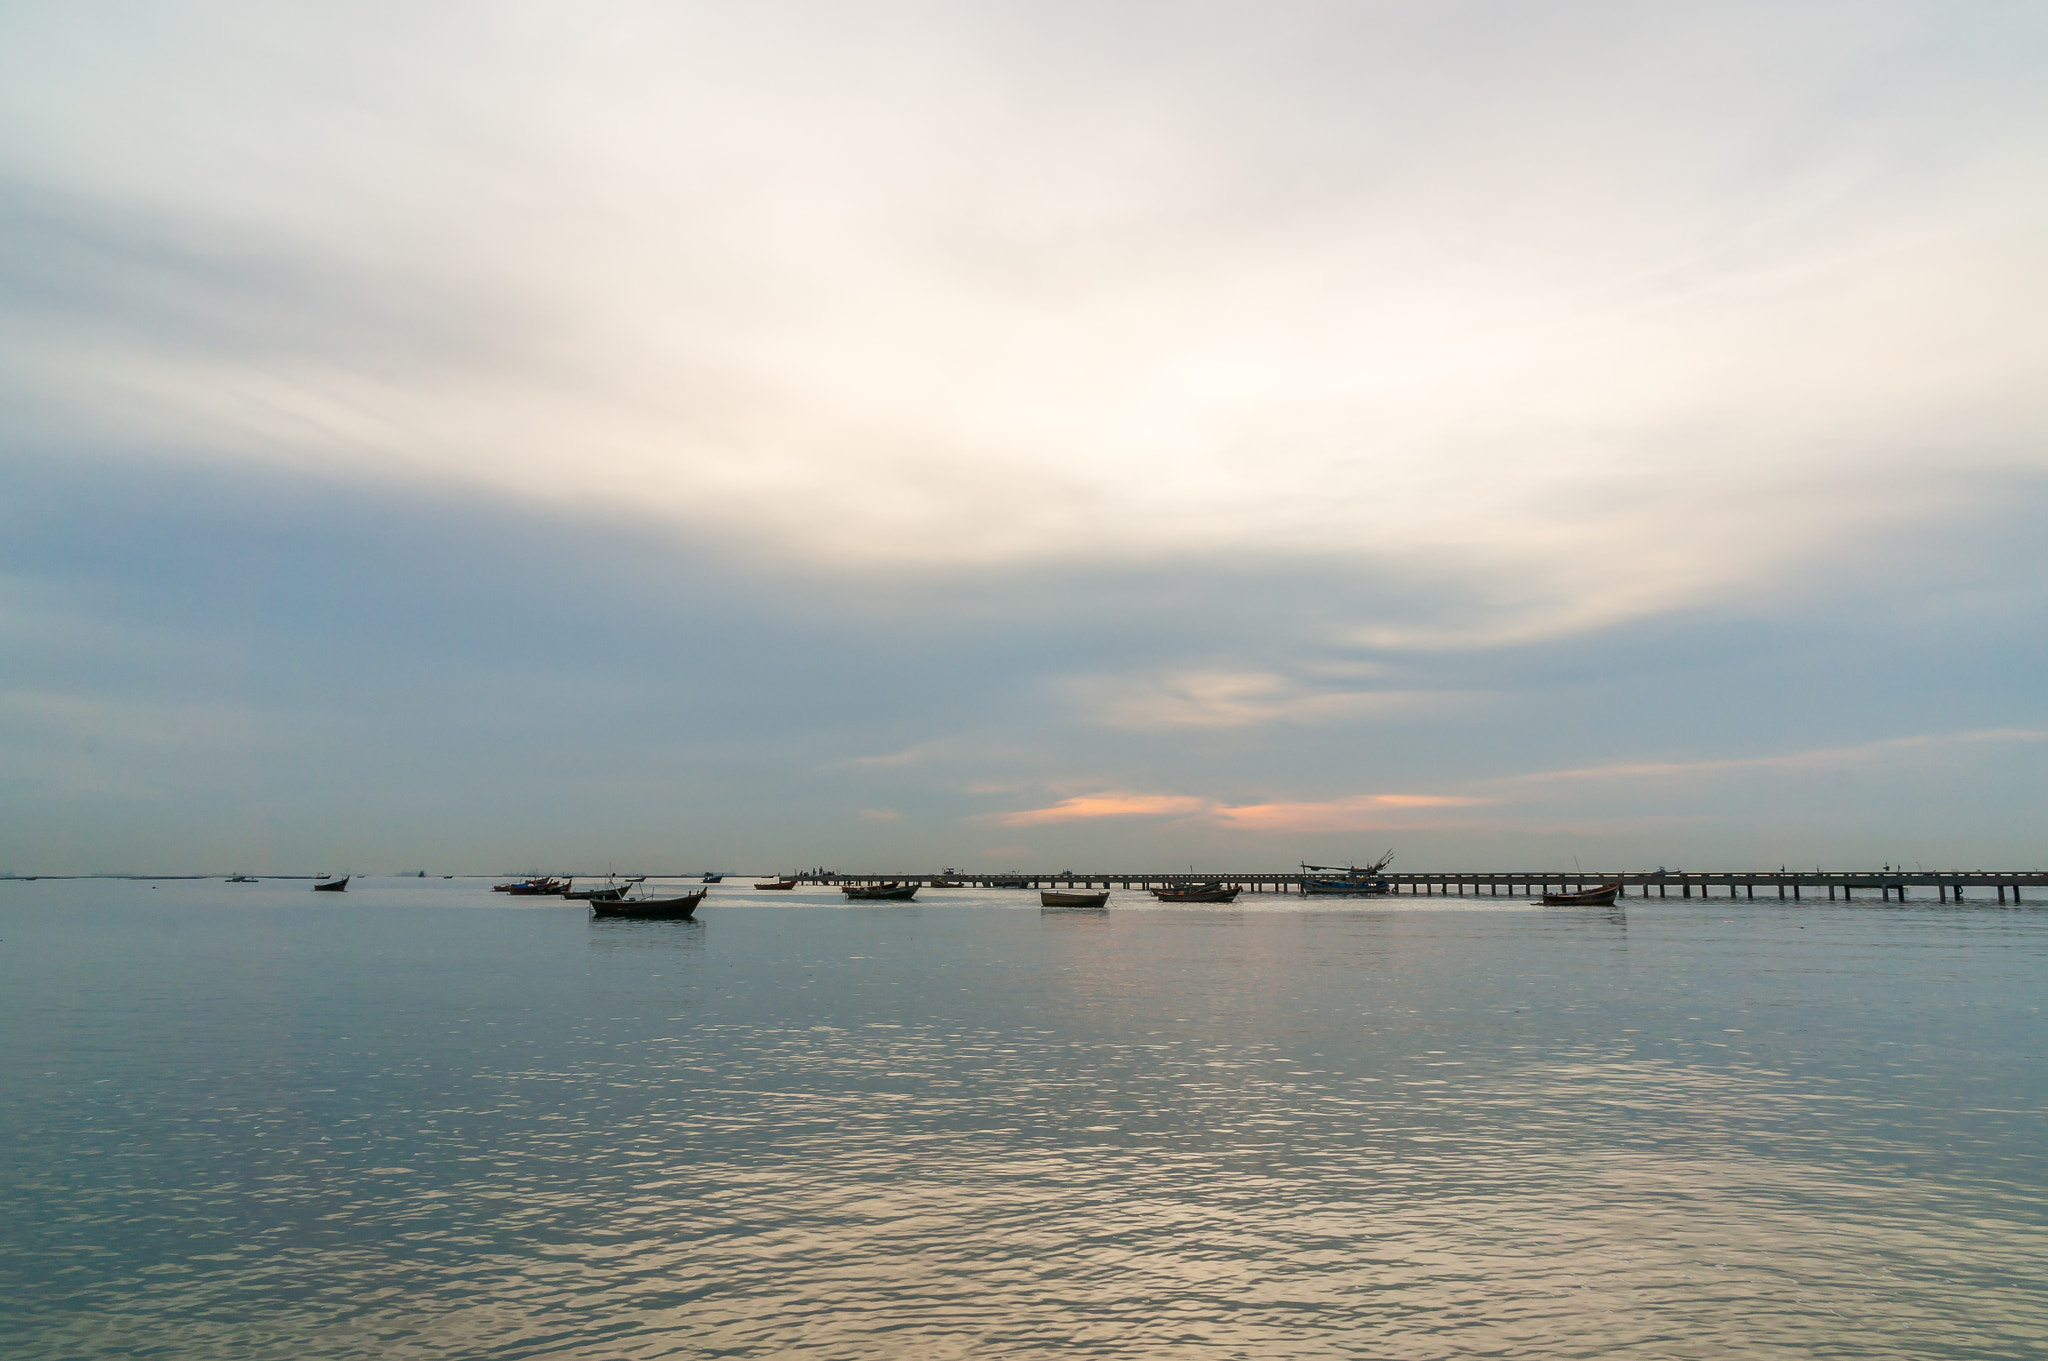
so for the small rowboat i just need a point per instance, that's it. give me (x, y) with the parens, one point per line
(779, 883)
(1049, 898)
(1211, 892)
(651, 909)
(333, 886)
(610, 893)
(1603, 896)
(892, 892)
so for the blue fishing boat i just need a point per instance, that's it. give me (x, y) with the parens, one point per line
(1347, 881)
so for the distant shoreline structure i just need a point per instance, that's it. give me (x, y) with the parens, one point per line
(1888, 883)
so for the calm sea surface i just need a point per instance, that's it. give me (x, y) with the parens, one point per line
(421, 1120)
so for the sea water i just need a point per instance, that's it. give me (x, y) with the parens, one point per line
(422, 1120)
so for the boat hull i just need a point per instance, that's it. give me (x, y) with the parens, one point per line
(333, 886)
(893, 893)
(1340, 888)
(1048, 898)
(651, 909)
(771, 888)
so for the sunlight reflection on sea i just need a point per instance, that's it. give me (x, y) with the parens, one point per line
(416, 1122)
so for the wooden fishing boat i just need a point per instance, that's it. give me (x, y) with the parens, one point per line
(1211, 892)
(1051, 898)
(332, 885)
(682, 908)
(713, 879)
(892, 892)
(610, 893)
(1601, 896)
(779, 883)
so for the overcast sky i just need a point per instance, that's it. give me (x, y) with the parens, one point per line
(883, 436)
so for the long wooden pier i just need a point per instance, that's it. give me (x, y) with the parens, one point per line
(1792, 885)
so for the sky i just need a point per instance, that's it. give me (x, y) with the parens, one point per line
(1018, 436)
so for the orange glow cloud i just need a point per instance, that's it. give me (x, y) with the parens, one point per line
(1336, 815)
(1365, 810)
(1105, 806)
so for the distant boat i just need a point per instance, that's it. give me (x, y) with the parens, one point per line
(713, 879)
(683, 908)
(779, 883)
(241, 879)
(1602, 896)
(332, 885)
(893, 892)
(610, 893)
(1049, 898)
(1347, 881)
(1211, 892)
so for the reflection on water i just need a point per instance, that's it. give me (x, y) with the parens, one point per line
(256, 1127)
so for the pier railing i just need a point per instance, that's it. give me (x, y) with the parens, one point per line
(1792, 885)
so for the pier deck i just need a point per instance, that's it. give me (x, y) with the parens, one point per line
(1792, 885)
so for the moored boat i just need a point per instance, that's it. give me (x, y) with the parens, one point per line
(1346, 881)
(892, 892)
(242, 879)
(680, 908)
(332, 885)
(1602, 895)
(1211, 892)
(610, 893)
(1052, 898)
(538, 886)
(713, 879)
(778, 884)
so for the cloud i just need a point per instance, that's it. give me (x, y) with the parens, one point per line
(1234, 699)
(1364, 813)
(1359, 813)
(922, 291)
(1827, 758)
(1090, 806)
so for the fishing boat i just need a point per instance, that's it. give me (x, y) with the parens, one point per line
(1211, 892)
(1347, 881)
(332, 885)
(242, 879)
(680, 908)
(536, 887)
(892, 891)
(1051, 898)
(1602, 895)
(610, 893)
(713, 879)
(778, 884)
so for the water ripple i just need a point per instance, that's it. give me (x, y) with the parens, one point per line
(967, 1129)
